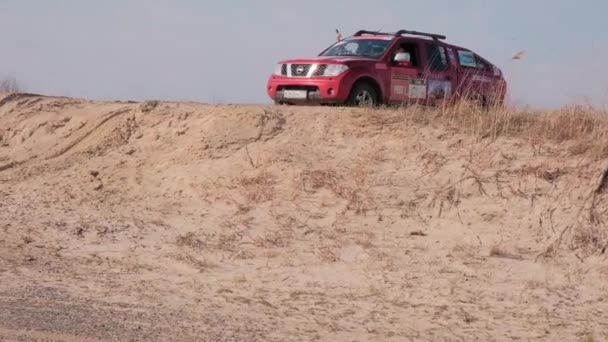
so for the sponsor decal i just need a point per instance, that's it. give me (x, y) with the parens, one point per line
(401, 77)
(439, 89)
(481, 78)
(417, 89)
(381, 66)
(399, 89)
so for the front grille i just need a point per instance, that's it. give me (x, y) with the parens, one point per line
(320, 70)
(300, 70)
(298, 87)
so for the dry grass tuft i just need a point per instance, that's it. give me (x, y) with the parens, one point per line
(542, 172)
(352, 185)
(273, 239)
(588, 338)
(590, 239)
(259, 188)
(313, 180)
(201, 265)
(327, 254)
(433, 161)
(584, 126)
(190, 240)
(498, 252)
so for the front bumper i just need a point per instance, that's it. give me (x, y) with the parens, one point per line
(322, 90)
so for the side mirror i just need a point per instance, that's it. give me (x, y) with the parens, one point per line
(402, 57)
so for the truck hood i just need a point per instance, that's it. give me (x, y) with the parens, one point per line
(327, 60)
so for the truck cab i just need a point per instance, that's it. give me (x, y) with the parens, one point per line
(372, 68)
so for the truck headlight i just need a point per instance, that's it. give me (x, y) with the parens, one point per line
(278, 69)
(335, 69)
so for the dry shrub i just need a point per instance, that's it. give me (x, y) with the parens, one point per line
(590, 239)
(586, 127)
(365, 241)
(327, 254)
(229, 241)
(589, 234)
(148, 106)
(581, 130)
(433, 161)
(273, 239)
(190, 240)
(353, 188)
(313, 180)
(259, 188)
(9, 85)
(464, 251)
(542, 171)
(201, 265)
(492, 122)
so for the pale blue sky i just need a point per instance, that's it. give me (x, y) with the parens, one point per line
(223, 51)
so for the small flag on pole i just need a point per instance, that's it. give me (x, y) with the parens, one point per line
(338, 35)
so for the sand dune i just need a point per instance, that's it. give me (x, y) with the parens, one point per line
(184, 221)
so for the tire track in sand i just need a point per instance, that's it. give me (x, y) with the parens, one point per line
(71, 145)
(80, 139)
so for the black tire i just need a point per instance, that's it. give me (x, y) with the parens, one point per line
(363, 95)
(480, 102)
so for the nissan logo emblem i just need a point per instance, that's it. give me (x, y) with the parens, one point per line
(300, 69)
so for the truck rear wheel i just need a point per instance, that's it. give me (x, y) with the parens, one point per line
(363, 95)
(480, 102)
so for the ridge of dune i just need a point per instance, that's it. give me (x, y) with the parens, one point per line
(228, 222)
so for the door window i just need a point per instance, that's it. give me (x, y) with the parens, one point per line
(412, 49)
(438, 59)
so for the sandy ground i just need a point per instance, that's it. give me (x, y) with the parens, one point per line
(193, 222)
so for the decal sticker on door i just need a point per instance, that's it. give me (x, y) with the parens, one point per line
(417, 89)
(399, 89)
(439, 89)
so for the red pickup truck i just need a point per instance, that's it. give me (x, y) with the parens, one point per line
(372, 68)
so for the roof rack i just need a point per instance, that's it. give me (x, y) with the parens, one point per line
(401, 32)
(362, 32)
(416, 33)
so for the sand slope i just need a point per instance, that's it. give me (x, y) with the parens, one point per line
(183, 221)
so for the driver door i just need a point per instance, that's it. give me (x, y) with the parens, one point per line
(406, 82)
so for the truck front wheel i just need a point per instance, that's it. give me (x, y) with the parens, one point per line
(363, 95)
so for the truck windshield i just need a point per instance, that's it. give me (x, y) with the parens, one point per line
(372, 48)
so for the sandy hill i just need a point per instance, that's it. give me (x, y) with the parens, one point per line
(184, 221)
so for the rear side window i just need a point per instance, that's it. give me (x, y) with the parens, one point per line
(438, 59)
(469, 59)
